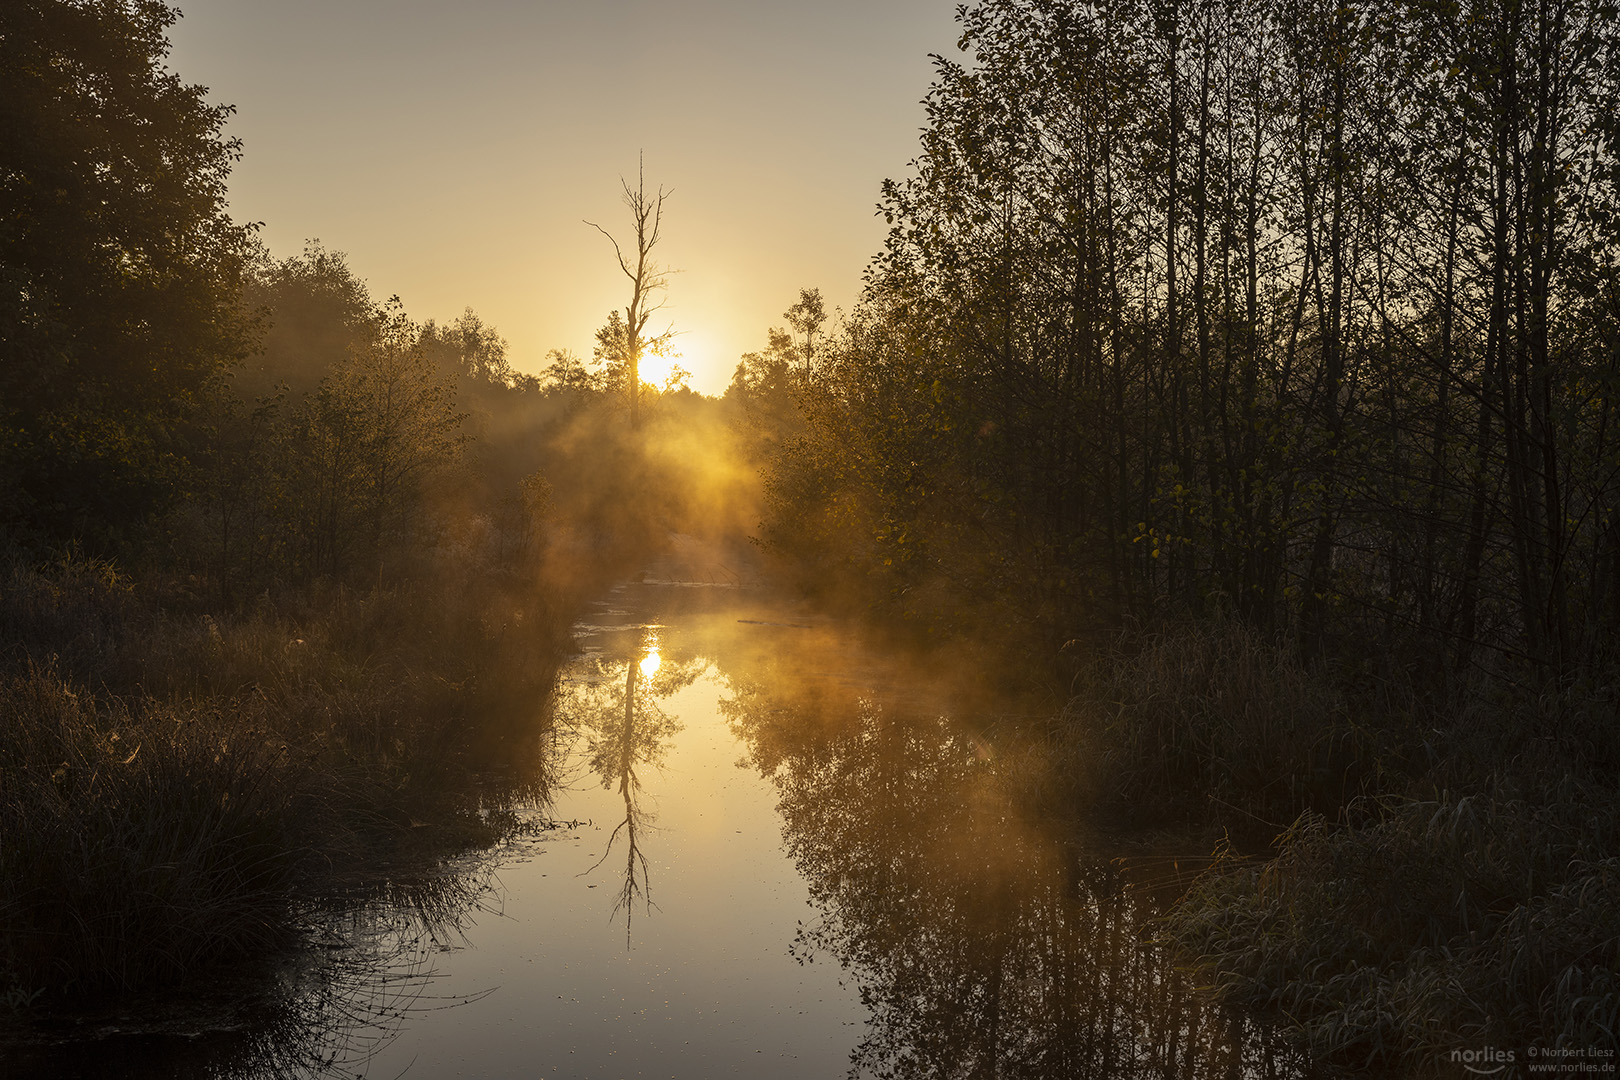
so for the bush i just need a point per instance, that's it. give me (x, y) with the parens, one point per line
(1211, 717)
(1481, 920)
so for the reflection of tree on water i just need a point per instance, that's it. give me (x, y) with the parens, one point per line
(982, 947)
(625, 730)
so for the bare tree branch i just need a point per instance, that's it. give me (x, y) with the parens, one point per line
(647, 278)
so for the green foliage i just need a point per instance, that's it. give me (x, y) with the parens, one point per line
(334, 477)
(470, 347)
(1245, 308)
(764, 394)
(807, 316)
(119, 269)
(1286, 331)
(567, 374)
(366, 439)
(315, 312)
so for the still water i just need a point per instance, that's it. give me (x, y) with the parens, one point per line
(651, 935)
(794, 858)
(769, 851)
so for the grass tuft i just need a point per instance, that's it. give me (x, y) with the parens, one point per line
(174, 784)
(1210, 719)
(1419, 926)
(137, 846)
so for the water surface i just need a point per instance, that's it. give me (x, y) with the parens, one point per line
(798, 857)
(774, 851)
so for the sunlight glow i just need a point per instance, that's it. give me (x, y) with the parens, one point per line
(650, 663)
(677, 356)
(655, 368)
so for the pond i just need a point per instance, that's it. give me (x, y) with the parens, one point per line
(770, 851)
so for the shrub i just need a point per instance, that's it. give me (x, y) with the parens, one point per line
(1481, 920)
(1211, 716)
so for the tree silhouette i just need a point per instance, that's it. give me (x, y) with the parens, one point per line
(646, 276)
(1304, 313)
(119, 266)
(806, 317)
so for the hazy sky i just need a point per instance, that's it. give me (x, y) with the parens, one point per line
(453, 149)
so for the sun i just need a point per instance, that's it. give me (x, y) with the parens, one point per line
(655, 369)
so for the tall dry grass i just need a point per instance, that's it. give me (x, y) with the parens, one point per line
(1451, 876)
(1211, 719)
(137, 845)
(174, 784)
(1436, 925)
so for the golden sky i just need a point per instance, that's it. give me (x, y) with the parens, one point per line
(452, 150)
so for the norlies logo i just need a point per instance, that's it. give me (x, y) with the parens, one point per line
(1487, 1062)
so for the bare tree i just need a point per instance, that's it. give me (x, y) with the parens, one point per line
(646, 276)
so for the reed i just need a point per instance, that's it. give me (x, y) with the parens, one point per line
(174, 785)
(1210, 720)
(1432, 925)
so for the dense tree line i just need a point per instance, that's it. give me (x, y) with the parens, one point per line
(119, 267)
(322, 455)
(1305, 312)
(1261, 357)
(172, 394)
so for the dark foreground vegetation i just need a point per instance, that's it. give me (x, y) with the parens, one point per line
(178, 785)
(285, 575)
(1249, 370)
(1246, 371)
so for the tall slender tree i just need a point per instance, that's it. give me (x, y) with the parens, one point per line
(1290, 308)
(647, 277)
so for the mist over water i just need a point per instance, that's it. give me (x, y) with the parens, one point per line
(771, 849)
(789, 858)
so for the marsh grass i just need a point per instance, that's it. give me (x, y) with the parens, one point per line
(137, 846)
(175, 784)
(1210, 719)
(1451, 874)
(1433, 925)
